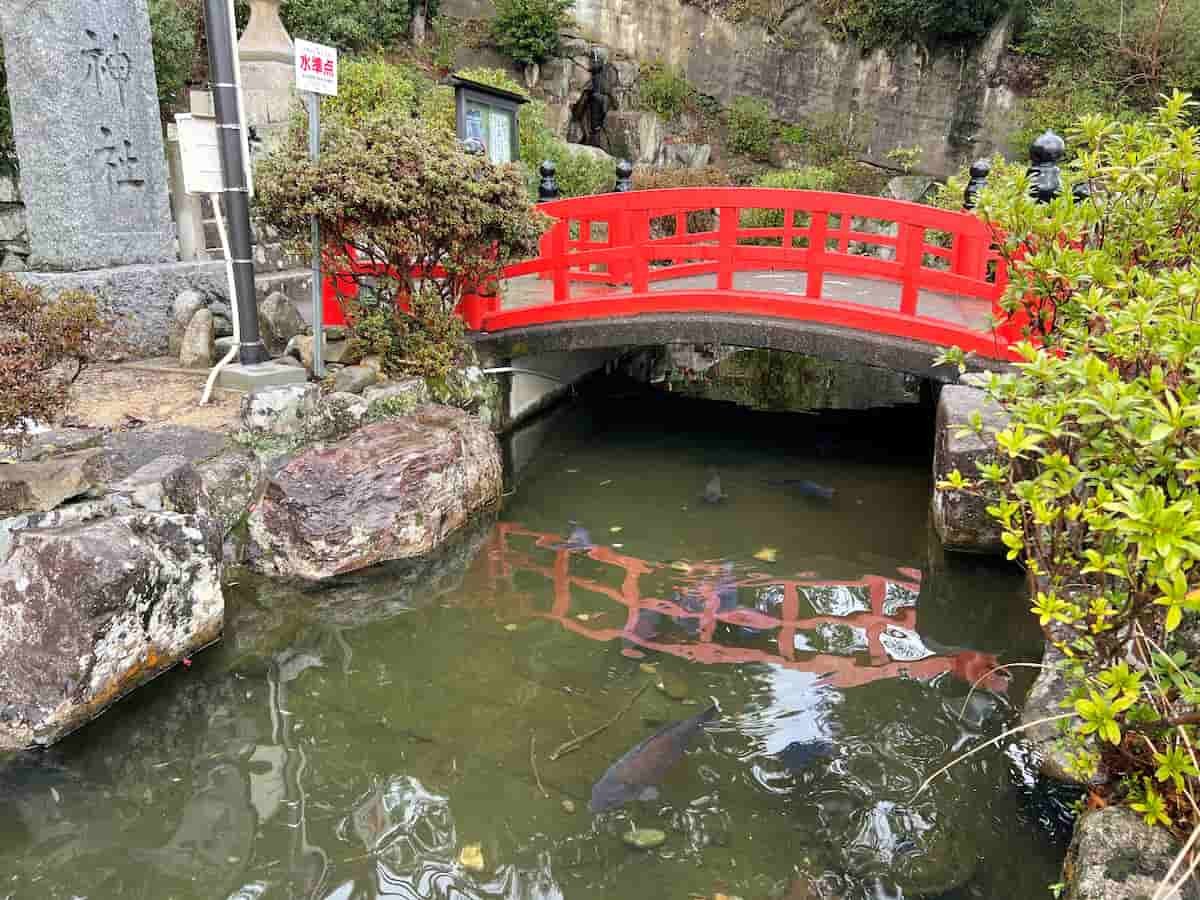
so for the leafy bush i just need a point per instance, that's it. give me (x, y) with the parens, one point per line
(173, 28)
(1131, 50)
(1097, 483)
(905, 158)
(578, 173)
(349, 25)
(8, 147)
(371, 88)
(830, 137)
(750, 127)
(424, 339)
(809, 178)
(405, 197)
(663, 89)
(1063, 100)
(44, 346)
(795, 134)
(646, 179)
(886, 23)
(529, 31)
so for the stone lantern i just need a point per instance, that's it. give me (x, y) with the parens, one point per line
(268, 78)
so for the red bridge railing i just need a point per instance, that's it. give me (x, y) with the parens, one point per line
(515, 549)
(646, 239)
(616, 255)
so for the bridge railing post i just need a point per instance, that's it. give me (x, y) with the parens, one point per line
(637, 224)
(912, 249)
(620, 235)
(558, 259)
(814, 281)
(727, 244)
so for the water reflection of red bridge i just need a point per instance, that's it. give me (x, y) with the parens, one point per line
(890, 619)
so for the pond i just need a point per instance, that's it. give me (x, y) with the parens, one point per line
(395, 734)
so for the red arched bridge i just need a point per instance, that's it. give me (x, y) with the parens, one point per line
(851, 632)
(867, 279)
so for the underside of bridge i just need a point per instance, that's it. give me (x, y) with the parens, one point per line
(789, 335)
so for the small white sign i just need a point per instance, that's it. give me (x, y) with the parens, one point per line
(199, 154)
(316, 68)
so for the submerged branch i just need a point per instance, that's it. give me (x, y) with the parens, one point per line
(577, 742)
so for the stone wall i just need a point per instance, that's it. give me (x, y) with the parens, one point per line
(952, 103)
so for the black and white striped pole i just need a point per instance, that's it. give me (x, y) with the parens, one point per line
(232, 143)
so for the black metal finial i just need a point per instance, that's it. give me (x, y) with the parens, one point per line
(1045, 178)
(624, 177)
(548, 186)
(980, 169)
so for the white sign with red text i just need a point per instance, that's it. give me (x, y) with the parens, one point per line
(316, 68)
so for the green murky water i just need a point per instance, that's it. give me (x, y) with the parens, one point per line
(366, 739)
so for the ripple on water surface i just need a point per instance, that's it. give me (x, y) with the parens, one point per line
(395, 734)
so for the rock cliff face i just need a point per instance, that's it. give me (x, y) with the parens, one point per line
(952, 102)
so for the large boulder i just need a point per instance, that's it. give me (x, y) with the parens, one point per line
(169, 483)
(279, 321)
(354, 379)
(91, 610)
(1045, 699)
(232, 482)
(41, 486)
(279, 410)
(394, 490)
(961, 518)
(1117, 856)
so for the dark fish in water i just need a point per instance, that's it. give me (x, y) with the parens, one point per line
(800, 755)
(712, 490)
(642, 769)
(578, 539)
(805, 488)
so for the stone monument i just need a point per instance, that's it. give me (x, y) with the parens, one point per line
(89, 139)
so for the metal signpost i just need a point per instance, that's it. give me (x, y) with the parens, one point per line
(316, 75)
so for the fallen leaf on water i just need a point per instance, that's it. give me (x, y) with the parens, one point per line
(471, 857)
(616, 529)
(583, 617)
(572, 471)
(680, 566)
(510, 627)
(767, 554)
(649, 668)
(606, 482)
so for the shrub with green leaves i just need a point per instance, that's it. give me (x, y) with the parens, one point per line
(405, 198)
(530, 31)
(651, 179)
(885, 23)
(173, 43)
(1097, 478)
(663, 89)
(750, 127)
(44, 346)
(349, 25)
